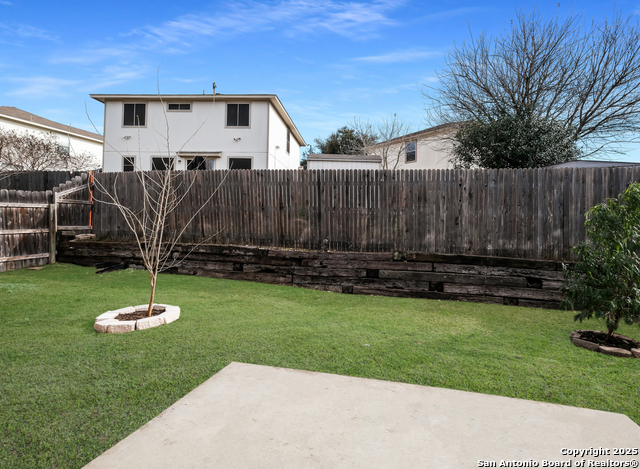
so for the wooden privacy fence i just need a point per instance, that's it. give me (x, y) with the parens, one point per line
(35, 180)
(520, 213)
(29, 221)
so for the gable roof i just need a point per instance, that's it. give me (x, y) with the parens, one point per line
(19, 115)
(420, 133)
(272, 98)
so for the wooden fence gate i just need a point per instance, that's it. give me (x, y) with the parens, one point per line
(30, 221)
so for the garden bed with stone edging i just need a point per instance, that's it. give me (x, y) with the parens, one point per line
(108, 323)
(576, 338)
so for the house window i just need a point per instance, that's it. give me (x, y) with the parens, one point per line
(237, 115)
(135, 114)
(128, 163)
(63, 149)
(239, 163)
(288, 141)
(410, 152)
(160, 164)
(200, 163)
(179, 106)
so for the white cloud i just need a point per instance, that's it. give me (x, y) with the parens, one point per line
(27, 31)
(188, 80)
(4, 2)
(350, 19)
(114, 75)
(93, 56)
(39, 87)
(399, 56)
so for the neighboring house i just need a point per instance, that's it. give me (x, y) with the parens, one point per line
(326, 161)
(70, 139)
(592, 164)
(205, 131)
(424, 149)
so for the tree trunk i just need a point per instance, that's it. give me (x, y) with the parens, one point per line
(153, 293)
(610, 332)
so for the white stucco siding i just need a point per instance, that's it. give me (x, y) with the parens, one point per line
(429, 155)
(342, 165)
(278, 157)
(203, 129)
(77, 144)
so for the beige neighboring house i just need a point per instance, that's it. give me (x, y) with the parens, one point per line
(424, 149)
(70, 139)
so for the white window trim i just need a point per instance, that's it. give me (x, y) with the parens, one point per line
(146, 116)
(174, 158)
(226, 110)
(240, 157)
(134, 162)
(415, 151)
(180, 110)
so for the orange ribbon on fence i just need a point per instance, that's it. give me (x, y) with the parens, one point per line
(91, 198)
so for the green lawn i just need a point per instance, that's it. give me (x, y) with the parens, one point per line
(68, 393)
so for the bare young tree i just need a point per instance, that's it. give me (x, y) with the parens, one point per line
(585, 78)
(39, 151)
(389, 142)
(161, 193)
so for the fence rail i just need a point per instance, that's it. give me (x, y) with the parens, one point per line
(29, 221)
(523, 213)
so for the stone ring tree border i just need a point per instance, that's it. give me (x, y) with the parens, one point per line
(576, 339)
(107, 323)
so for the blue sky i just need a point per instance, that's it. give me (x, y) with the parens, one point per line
(328, 61)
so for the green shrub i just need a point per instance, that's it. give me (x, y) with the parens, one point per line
(605, 280)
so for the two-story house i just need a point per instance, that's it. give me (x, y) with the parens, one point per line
(221, 131)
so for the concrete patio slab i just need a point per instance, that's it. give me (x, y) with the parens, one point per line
(250, 416)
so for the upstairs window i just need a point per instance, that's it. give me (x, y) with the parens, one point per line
(135, 114)
(237, 115)
(179, 106)
(411, 152)
(288, 141)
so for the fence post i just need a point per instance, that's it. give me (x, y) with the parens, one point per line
(53, 229)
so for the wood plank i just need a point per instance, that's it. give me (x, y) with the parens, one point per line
(504, 291)
(453, 278)
(67, 191)
(75, 202)
(23, 258)
(24, 231)
(73, 228)
(22, 205)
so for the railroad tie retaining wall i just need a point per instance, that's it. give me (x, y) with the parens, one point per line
(481, 279)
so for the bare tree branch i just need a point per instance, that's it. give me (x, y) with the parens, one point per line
(585, 78)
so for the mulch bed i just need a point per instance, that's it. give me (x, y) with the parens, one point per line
(598, 337)
(139, 314)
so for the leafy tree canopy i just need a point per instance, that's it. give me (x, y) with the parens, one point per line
(517, 139)
(346, 141)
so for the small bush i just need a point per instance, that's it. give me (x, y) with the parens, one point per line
(605, 280)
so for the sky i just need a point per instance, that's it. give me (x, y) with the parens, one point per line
(328, 61)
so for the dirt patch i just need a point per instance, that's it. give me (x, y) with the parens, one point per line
(618, 341)
(140, 314)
